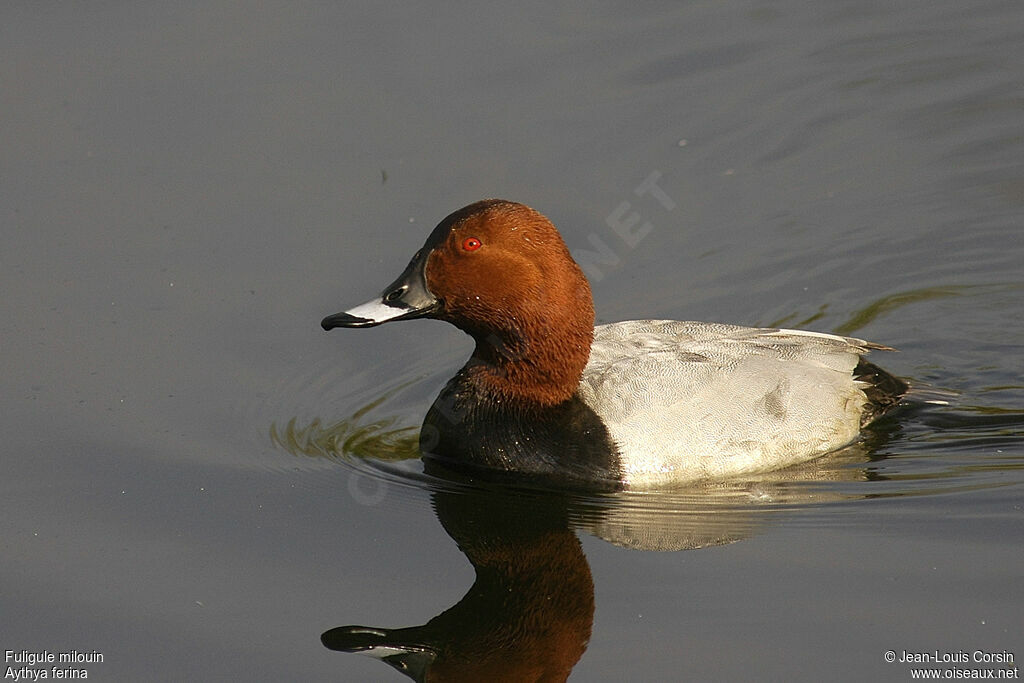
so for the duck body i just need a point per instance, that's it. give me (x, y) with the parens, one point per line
(636, 404)
(694, 401)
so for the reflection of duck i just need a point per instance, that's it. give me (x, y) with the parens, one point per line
(527, 616)
(632, 405)
(718, 513)
(529, 613)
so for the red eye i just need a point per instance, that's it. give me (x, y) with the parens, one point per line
(471, 244)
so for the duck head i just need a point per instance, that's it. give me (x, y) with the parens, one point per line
(499, 271)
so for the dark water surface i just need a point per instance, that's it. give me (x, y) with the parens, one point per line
(198, 482)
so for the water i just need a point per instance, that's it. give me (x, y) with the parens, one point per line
(198, 482)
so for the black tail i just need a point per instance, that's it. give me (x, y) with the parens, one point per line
(883, 390)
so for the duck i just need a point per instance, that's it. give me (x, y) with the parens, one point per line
(637, 404)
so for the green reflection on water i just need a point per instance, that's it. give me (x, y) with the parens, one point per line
(887, 304)
(788, 320)
(379, 439)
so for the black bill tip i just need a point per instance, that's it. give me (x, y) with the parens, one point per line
(346, 320)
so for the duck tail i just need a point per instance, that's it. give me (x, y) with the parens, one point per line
(884, 391)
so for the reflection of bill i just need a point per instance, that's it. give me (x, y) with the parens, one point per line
(529, 613)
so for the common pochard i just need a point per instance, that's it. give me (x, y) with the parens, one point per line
(635, 404)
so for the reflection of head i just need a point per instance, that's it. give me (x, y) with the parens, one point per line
(528, 614)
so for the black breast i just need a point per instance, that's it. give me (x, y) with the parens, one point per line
(563, 445)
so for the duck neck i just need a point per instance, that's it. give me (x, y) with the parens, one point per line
(534, 363)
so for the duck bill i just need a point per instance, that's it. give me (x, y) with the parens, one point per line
(411, 657)
(405, 298)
